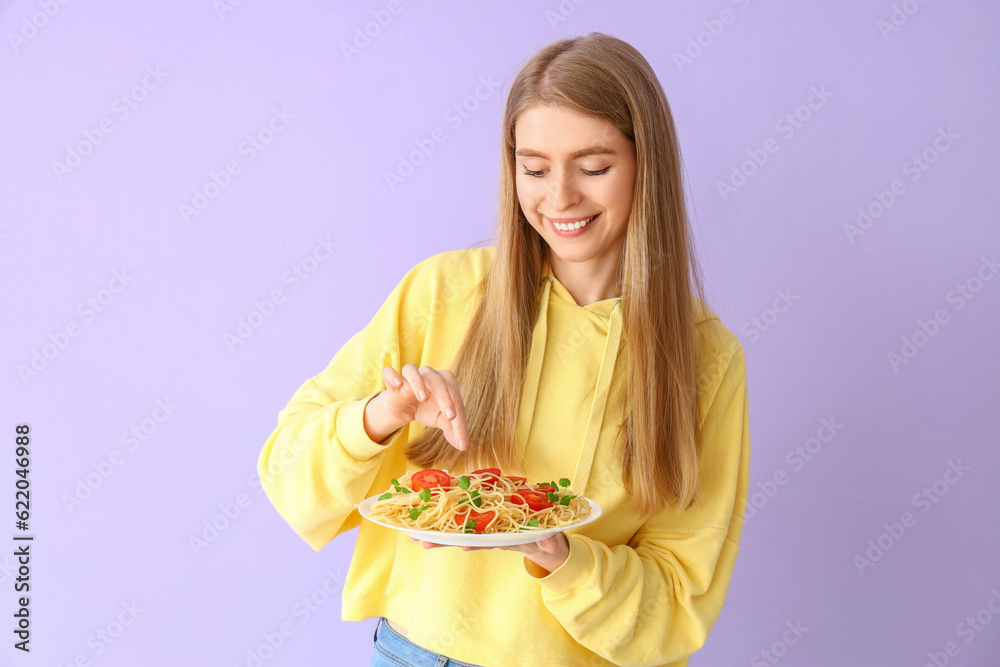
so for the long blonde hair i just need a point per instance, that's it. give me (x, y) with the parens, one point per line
(606, 78)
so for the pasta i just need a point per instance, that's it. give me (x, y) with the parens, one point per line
(483, 501)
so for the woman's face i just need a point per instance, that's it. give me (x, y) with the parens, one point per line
(570, 168)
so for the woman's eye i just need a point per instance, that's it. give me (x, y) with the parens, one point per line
(539, 174)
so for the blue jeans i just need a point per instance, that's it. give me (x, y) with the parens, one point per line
(394, 650)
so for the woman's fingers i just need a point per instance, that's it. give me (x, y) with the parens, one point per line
(427, 545)
(458, 423)
(549, 545)
(417, 384)
(426, 383)
(439, 388)
(446, 394)
(445, 390)
(399, 396)
(391, 378)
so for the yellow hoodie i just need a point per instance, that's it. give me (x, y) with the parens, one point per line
(631, 592)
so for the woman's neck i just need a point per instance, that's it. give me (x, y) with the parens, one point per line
(587, 282)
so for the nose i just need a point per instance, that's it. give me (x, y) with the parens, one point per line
(564, 193)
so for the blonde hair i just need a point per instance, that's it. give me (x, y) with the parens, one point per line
(603, 77)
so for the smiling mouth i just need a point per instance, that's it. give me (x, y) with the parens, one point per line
(569, 224)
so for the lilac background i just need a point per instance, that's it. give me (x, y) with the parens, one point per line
(161, 338)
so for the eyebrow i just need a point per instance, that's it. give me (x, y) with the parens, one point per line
(583, 152)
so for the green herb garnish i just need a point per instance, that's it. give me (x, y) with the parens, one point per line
(386, 495)
(464, 482)
(425, 495)
(565, 500)
(554, 497)
(470, 526)
(533, 522)
(564, 482)
(416, 511)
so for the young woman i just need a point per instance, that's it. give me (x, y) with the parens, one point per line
(578, 346)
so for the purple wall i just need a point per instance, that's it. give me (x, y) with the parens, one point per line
(871, 342)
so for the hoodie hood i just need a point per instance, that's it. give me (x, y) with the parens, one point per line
(594, 318)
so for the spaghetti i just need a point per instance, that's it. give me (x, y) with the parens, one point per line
(483, 501)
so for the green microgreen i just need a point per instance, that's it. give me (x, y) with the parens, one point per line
(416, 511)
(399, 488)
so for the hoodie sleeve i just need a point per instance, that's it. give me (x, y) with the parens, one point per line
(319, 461)
(654, 600)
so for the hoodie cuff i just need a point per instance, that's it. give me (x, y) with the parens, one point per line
(573, 573)
(352, 435)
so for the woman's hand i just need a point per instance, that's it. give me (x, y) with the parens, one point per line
(549, 553)
(427, 396)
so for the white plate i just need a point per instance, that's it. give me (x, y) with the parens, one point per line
(482, 539)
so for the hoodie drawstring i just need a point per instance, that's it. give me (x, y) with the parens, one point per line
(598, 407)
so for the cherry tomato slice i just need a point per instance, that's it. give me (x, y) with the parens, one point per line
(545, 488)
(535, 500)
(517, 481)
(481, 519)
(426, 479)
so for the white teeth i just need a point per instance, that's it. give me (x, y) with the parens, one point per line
(576, 225)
